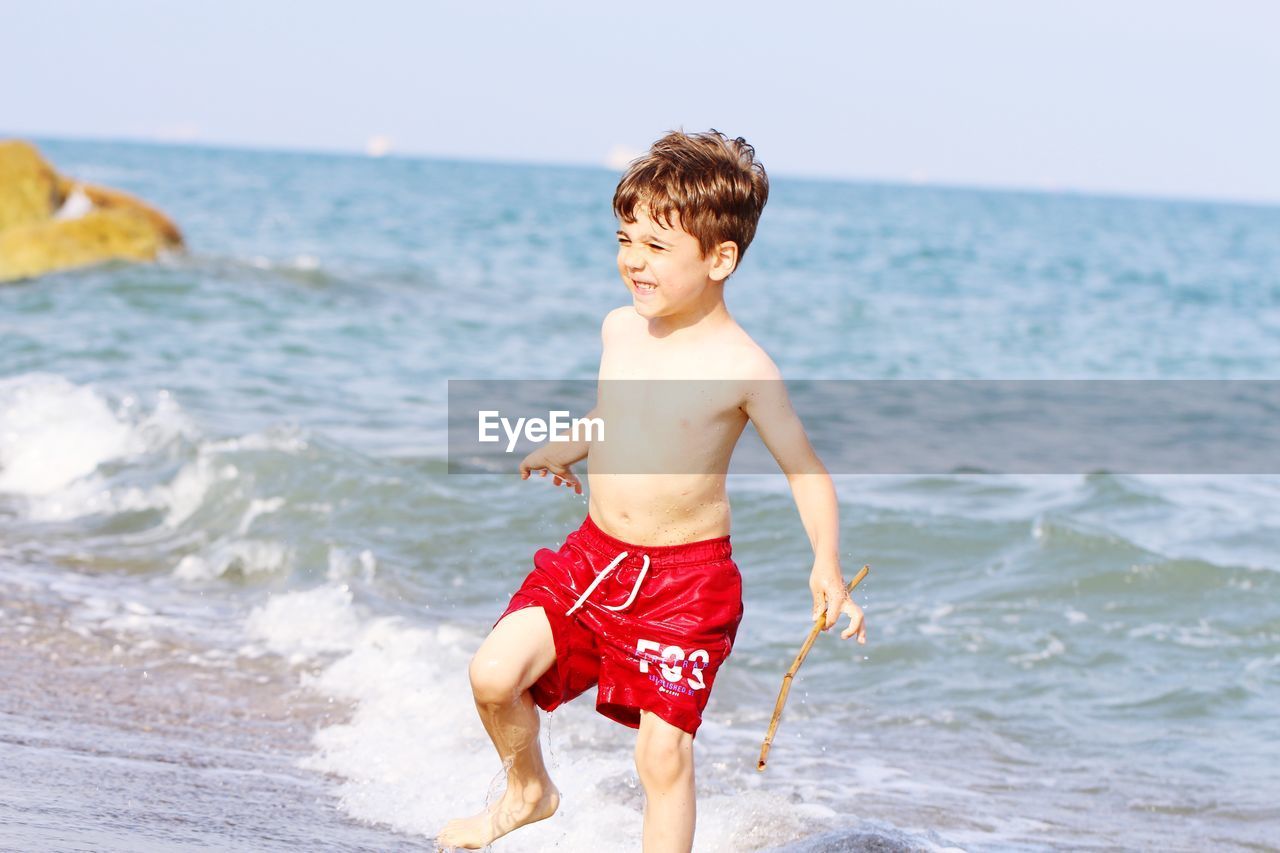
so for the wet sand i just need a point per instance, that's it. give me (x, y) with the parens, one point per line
(111, 743)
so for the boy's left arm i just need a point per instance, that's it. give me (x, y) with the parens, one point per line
(769, 408)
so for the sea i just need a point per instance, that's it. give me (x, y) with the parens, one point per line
(240, 586)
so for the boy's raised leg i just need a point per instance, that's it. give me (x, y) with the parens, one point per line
(514, 655)
(664, 760)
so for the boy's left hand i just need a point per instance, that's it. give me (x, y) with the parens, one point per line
(830, 599)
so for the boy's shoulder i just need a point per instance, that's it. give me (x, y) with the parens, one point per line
(744, 358)
(730, 352)
(616, 319)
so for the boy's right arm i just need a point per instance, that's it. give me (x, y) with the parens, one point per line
(557, 457)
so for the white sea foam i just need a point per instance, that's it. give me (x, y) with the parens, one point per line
(238, 554)
(53, 432)
(414, 754)
(243, 557)
(287, 440)
(87, 496)
(258, 507)
(92, 495)
(55, 435)
(344, 566)
(1053, 648)
(123, 616)
(184, 495)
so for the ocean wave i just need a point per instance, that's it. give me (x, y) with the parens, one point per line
(144, 481)
(242, 558)
(314, 269)
(414, 725)
(54, 432)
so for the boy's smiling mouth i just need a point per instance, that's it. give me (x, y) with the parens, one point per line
(643, 286)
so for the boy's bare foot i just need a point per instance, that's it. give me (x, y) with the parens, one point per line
(516, 808)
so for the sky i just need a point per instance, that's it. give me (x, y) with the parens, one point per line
(1131, 97)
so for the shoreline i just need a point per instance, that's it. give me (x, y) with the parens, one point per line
(108, 742)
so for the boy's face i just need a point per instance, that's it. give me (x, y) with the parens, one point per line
(663, 266)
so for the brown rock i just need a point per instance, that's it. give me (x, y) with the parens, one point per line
(32, 242)
(30, 190)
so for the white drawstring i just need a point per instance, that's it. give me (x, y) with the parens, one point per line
(598, 578)
(635, 589)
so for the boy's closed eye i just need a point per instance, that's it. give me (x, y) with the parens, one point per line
(657, 247)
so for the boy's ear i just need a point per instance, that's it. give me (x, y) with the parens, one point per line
(724, 260)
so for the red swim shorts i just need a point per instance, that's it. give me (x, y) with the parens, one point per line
(650, 625)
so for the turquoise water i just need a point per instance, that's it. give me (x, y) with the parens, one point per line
(237, 567)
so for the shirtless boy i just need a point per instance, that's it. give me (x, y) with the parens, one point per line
(644, 599)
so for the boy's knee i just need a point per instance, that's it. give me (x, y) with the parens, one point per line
(663, 757)
(491, 682)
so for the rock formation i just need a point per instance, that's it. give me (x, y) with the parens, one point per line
(49, 222)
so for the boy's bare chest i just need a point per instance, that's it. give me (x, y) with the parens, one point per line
(667, 397)
(654, 362)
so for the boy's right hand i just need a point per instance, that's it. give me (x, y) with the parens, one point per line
(540, 460)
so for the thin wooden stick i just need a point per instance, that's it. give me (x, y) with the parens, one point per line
(795, 666)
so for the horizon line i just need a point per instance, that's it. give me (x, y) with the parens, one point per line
(898, 182)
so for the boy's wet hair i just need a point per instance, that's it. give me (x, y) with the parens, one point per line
(714, 183)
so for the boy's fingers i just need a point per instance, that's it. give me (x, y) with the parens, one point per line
(826, 610)
(860, 633)
(833, 614)
(857, 623)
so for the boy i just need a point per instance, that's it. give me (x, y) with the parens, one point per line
(644, 599)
